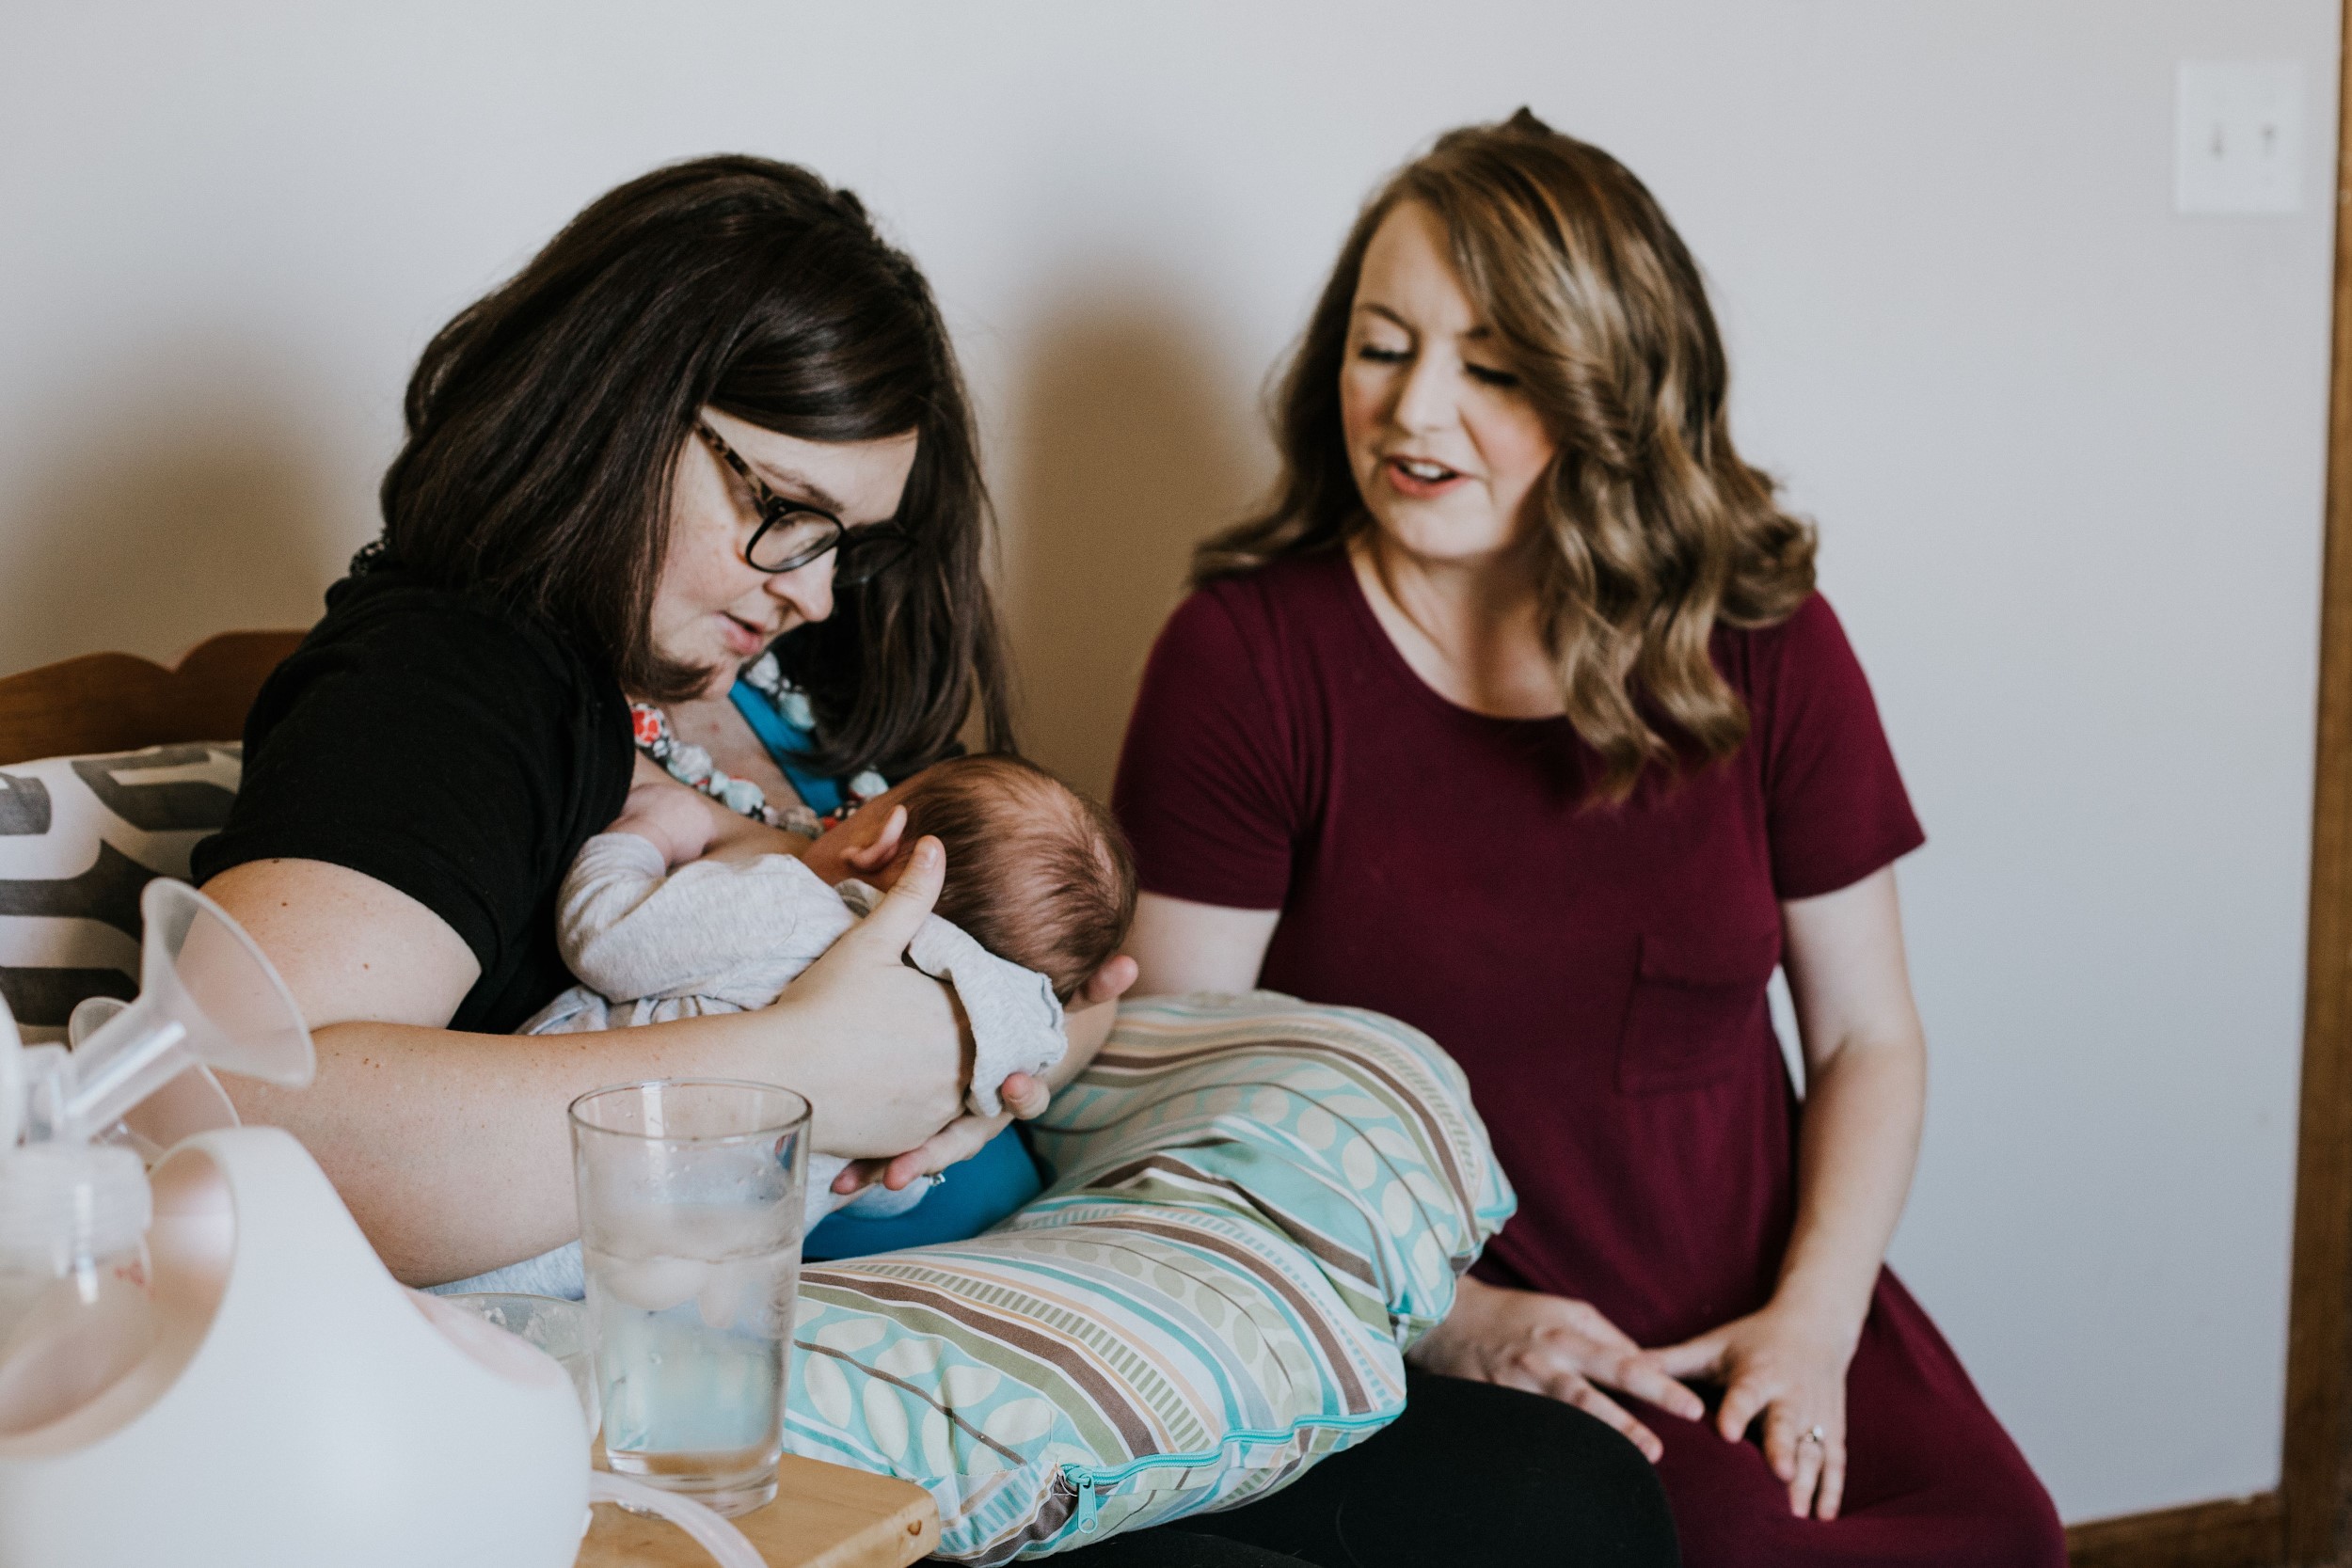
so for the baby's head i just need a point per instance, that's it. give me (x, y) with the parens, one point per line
(1036, 873)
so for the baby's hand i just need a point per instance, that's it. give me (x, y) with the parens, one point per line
(667, 815)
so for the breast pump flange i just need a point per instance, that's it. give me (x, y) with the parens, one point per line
(295, 1406)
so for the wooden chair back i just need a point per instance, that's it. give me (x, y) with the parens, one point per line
(116, 703)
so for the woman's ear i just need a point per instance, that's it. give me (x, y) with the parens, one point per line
(869, 854)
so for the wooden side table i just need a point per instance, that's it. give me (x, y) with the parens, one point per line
(824, 1516)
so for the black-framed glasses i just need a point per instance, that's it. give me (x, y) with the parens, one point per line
(793, 533)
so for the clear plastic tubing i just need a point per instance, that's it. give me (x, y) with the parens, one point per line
(728, 1546)
(74, 1309)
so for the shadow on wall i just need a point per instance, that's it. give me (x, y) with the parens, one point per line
(1126, 451)
(160, 527)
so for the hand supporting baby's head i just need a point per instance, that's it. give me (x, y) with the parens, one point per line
(1036, 873)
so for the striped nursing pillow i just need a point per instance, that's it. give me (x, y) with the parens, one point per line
(79, 838)
(1258, 1206)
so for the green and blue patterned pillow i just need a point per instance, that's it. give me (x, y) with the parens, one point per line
(1259, 1205)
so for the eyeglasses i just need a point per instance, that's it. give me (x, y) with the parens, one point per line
(792, 534)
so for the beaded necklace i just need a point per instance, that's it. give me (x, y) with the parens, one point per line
(691, 766)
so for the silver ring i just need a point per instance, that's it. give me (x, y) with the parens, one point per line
(1812, 1434)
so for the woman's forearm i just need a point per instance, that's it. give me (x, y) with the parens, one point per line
(1184, 947)
(450, 1150)
(1859, 1146)
(453, 1152)
(1866, 1090)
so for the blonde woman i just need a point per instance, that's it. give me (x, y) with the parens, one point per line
(1515, 716)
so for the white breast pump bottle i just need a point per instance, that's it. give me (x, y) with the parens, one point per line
(215, 1368)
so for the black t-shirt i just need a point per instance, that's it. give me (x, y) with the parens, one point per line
(448, 749)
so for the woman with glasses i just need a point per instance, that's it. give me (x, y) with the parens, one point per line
(715, 423)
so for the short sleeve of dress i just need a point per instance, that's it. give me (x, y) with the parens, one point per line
(1835, 809)
(427, 742)
(1204, 787)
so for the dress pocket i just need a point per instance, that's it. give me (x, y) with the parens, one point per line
(1697, 1009)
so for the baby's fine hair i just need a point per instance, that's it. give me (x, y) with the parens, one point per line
(1037, 872)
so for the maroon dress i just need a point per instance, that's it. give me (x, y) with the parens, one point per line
(1600, 973)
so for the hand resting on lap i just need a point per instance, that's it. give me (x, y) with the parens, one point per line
(1553, 1346)
(1789, 1369)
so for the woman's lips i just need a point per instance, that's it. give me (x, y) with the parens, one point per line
(743, 638)
(1417, 479)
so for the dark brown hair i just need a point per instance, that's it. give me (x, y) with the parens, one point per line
(545, 422)
(1653, 528)
(1037, 872)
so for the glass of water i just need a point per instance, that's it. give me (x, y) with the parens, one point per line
(689, 1224)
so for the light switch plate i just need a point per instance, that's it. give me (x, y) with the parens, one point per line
(2238, 136)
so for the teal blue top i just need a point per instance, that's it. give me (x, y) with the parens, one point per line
(787, 746)
(971, 1196)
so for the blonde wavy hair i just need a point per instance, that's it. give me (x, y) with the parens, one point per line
(1656, 529)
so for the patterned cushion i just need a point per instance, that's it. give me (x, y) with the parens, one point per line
(1258, 1206)
(79, 837)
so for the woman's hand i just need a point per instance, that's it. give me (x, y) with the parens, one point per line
(951, 1145)
(1551, 1345)
(893, 1062)
(1789, 1366)
(1090, 1015)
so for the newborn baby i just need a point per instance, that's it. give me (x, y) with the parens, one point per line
(1039, 894)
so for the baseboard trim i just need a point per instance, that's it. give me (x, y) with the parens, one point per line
(2236, 1532)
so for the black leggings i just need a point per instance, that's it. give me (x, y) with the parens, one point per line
(1470, 1473)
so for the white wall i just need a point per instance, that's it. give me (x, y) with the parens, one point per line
(2065, 448)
